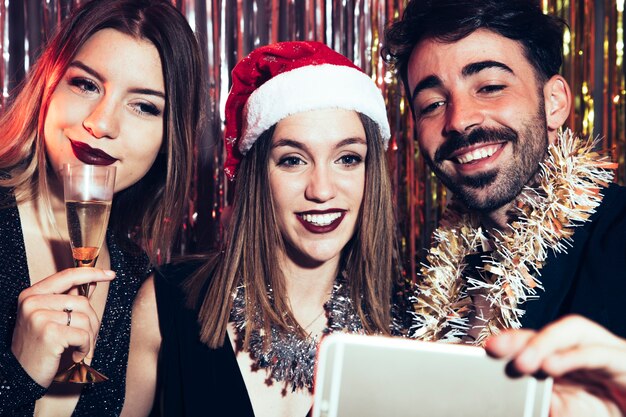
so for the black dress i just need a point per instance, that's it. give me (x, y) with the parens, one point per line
(590, 279)
(193, 379)
(18, 392)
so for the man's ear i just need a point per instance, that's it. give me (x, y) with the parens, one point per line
(558, 102)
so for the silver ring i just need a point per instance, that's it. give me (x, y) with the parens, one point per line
(69, 315)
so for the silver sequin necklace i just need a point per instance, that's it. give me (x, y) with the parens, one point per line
(289, 357)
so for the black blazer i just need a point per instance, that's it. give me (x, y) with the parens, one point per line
(590, 279)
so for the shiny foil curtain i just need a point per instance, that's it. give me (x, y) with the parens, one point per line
(230, 29)
(594, 66)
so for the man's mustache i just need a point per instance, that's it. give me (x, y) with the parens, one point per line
(456, 140)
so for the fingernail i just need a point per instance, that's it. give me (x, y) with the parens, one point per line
(109, 273)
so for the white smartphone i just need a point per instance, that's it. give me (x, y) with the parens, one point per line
(372, 376)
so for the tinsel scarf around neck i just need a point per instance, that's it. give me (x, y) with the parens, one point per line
(567, 193)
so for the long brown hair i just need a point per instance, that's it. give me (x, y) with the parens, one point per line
(252, 241)
(151, 210)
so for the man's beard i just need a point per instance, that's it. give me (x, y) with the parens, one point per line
(507, 181)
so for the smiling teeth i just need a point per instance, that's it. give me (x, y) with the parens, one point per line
(321, 219)
(480, 153)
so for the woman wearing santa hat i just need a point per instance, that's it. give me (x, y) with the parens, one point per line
(309, 249)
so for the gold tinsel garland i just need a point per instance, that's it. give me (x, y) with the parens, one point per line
(568, 192)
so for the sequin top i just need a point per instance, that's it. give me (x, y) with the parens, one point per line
(18, 392)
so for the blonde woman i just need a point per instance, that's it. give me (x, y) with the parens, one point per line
(118, 85)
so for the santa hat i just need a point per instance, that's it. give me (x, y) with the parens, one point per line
(285, 78)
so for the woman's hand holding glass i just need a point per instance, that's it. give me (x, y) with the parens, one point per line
(44, 329)
(88, 194)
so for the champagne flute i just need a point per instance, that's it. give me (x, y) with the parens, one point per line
(88, 193)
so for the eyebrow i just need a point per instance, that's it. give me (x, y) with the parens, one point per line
(300, 145)
(96, 74)
(476, 67)
(432, 81)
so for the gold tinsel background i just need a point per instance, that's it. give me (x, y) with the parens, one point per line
(229, 29)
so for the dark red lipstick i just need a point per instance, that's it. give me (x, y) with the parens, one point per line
(314, 228)
(91, 156)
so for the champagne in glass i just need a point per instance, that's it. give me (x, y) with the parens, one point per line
(87, 222)
(88, 192)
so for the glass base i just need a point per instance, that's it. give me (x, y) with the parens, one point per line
(80, 373)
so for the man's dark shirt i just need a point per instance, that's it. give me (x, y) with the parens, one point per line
(590, 279)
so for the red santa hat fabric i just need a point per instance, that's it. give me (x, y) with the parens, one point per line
(285, 78)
